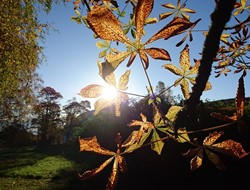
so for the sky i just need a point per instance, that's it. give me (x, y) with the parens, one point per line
(71, 55)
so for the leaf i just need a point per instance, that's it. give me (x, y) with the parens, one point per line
(196, 162)
(105, 69)
(92, 91)
(103, 44)
(100, 104)
(158, 53)
(111, 79)
(240, 97)
(112, 181)
(185, 88)
(172, 113)
(157, 144)
(165, 15)
(215, 159)
(116, 59)
(191, 152)
(124, 79)
(230, 148)
(209, 140)
(179, 10)
(138, 144)
(176, 26)
(173, 69)
(144, 58)
(122, 163)
(132, 58)
(143, 9)
(105, 25)
(90, 173)
(184, 59)
(240, 7)
(91, 144)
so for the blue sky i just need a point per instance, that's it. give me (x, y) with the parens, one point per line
(71, 56)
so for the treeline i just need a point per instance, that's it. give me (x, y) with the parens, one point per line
(46, 122)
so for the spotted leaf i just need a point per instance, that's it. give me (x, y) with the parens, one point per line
(105, 25)
(91, 144)
(143, 9)
(176, 26)
(92, 91)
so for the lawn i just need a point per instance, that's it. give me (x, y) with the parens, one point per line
(34, 168)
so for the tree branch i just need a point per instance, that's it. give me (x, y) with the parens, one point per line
(219, 18)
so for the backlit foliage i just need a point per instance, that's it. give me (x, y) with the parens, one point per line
(103, 18)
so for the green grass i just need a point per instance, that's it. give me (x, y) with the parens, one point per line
(30, 168)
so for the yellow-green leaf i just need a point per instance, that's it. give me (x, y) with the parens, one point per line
(157, 144)
(172, 113)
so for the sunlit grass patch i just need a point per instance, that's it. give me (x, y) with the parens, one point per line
(47, 167)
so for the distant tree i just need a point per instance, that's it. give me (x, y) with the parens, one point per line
(21, 53)
(47, 118)
(73, 111)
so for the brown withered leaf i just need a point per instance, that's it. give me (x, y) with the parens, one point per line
(240, 97)
(145, 125)
(131, 58)
(144, 58)
(91, 144)
(122, 163)
(92, 91)
(196, 162)
(231, 148)
(158, 53)
(143, 9)
(212, 137)
(105, 25)
(228, 147)
(112, 181)
(177, 26)
(132, 138)
(90, 173)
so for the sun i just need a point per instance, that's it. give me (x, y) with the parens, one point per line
(109, 92)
